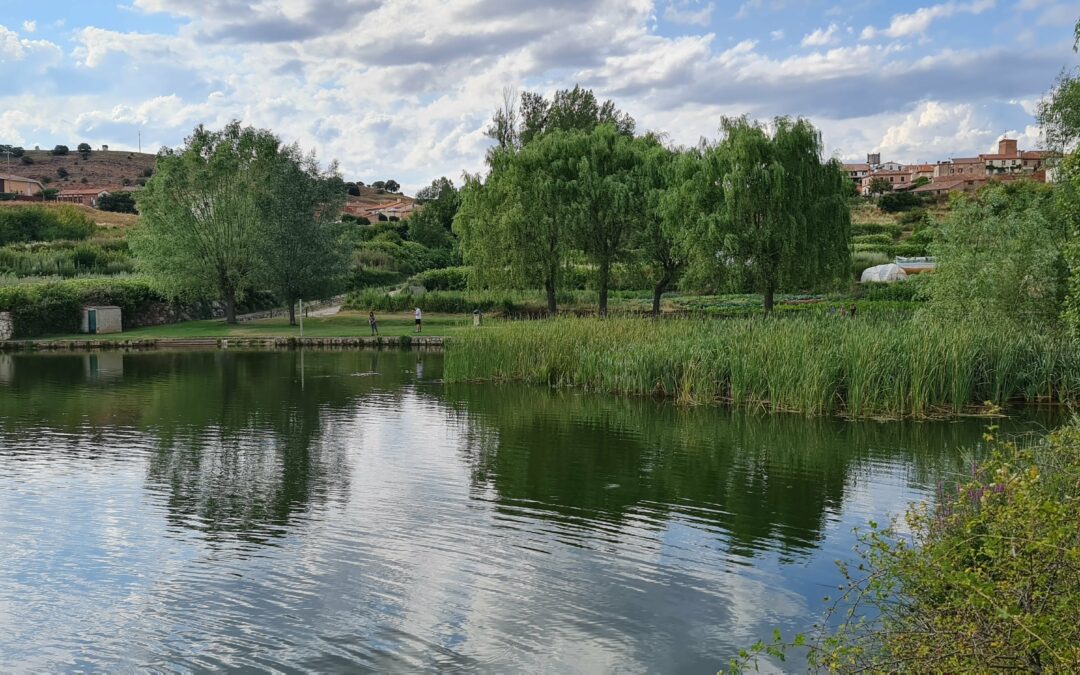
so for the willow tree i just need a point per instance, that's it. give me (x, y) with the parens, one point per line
(608, 187)
(514, 227)
(200, 216)
(664, 240)
(781, 217)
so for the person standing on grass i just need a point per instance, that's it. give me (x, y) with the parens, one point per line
(371, 322)
(419, 317)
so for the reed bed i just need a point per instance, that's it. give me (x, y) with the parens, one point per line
(816, 365)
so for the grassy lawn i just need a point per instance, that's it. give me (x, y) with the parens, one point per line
(345, 324)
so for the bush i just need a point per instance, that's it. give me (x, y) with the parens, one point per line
(55, 307)
(862, 260)
(876, 228)
(878, 239)
(894, 202)
(42, 223)
(914, 289)
(118, 202)
(914, 218)
(445, 279)
(368, 277)
(987, 579)
(60, 150)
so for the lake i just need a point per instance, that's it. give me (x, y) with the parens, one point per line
(347, 510)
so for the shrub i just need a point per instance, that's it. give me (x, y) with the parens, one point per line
(986, 579)
(41, 223)
(368, 277)
(878, 239)
(862, 260)
(894, 202)
(119, 202)
(55, 307)
(876, 228)
(914, 218)
(445, 279)
(62, 172)
(914, 289)
(60, 150)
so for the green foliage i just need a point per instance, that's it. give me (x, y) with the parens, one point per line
(84, 150)
(876, 228)
(875, 239)
(62, 173)
(1059, 111)
(987, 579)
(432, 225)
(60, 150)
(372, 277)
(913, 289)
(1067, 203)
(297, 239)
(1000, 258)
(916, 217)
(65, 259)
(770, 211)
(879, 186)
(55, 307)
(118, 202)
(861, 260)
(895, 202)
(42, 223)
(445, 279)
(233, 209)
(814, 364)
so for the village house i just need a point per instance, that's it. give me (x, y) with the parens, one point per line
(27, 187)
(85, 196)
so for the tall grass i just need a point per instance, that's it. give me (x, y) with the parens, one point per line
(815, 365)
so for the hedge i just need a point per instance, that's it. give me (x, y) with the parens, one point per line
(444, 279)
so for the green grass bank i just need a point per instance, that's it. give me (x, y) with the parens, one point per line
(816, 365)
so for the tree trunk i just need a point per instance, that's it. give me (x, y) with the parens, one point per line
(658, 292)
(292, 312)
(549, 287)
(769, 297)
(602, 286)
(230, 305)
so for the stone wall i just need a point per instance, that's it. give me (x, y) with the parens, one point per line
(7, 326)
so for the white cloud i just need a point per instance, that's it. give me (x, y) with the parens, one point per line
(821, 36)
(689, 13)
(917, 23)
(777, 35)
(29, 26)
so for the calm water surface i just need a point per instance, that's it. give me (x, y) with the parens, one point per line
(336, 511)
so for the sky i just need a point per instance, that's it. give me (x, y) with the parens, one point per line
(404, 89)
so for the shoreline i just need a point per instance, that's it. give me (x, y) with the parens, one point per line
(433, 342)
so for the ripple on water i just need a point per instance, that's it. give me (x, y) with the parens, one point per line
(268, 511)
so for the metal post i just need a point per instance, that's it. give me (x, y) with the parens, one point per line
(301, 317)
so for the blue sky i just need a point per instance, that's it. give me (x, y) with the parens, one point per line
(403, 88)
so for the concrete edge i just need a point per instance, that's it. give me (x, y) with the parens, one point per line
(403, 342)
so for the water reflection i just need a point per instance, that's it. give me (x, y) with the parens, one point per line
(342, 510)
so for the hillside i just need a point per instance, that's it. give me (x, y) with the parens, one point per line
(100, 169)
(369, 196)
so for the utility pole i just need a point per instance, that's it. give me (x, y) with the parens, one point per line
(301, 318)
(140, 141)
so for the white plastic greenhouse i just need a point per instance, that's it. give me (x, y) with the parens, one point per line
(883, 274)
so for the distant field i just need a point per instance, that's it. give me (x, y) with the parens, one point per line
(345, 324)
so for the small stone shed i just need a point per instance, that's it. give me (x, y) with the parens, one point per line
(98, 319)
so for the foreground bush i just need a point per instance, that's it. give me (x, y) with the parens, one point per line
(813, 364)
(987, 579)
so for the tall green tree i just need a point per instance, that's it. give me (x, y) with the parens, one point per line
(200, 215)
(1059, 111)
(1000, 257)
(782, 219)
(432, 224)
(663, 239)
(574, 109)
(297, 245)
(515, 227)
(608, 187)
